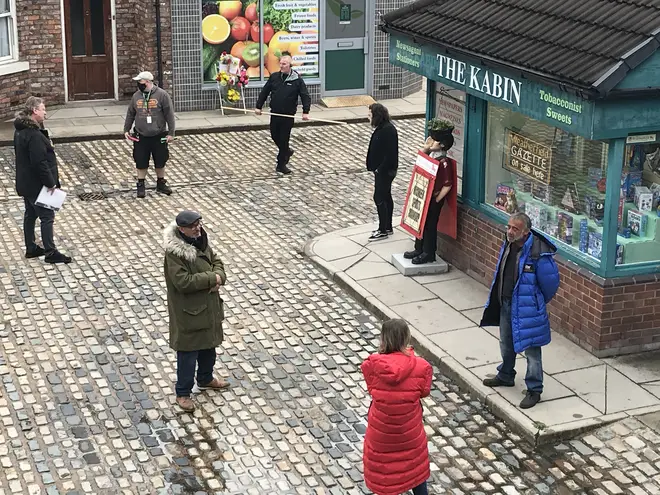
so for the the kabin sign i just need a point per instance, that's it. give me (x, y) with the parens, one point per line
(527, 158)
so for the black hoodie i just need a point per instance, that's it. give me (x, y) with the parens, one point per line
(36, 165)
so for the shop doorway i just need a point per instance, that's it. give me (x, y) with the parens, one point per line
(346, 47)
(89, 59)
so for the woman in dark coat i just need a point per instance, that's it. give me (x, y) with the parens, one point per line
(383, 161)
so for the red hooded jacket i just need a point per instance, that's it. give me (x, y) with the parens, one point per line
(396, 455)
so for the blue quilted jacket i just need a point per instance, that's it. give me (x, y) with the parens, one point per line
(536, 285)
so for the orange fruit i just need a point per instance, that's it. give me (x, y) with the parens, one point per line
(275, 43)
(215, 29)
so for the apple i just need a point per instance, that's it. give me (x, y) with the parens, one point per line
(229, 9)
(251, 13)
(268, 32)
(240, 28)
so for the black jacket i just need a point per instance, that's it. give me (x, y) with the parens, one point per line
(284, 92)
(383, 154)
(36, 165)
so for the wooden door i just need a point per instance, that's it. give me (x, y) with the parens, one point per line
(90, 72)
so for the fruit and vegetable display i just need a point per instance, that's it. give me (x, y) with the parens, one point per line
(234, 27)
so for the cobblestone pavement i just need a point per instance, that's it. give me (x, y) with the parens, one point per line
(86, 375)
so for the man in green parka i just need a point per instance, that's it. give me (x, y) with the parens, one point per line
(193, 275)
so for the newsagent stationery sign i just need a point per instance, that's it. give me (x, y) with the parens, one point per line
(419, 194)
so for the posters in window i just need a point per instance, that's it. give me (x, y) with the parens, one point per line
(237, 27)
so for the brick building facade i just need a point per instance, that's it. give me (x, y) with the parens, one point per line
(40, 61)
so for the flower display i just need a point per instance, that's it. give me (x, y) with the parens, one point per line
(231, 77)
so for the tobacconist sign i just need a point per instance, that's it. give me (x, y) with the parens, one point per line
(527, 158)
(544, 103)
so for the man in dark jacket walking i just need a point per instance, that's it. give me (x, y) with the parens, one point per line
(526, 279)
(153, 113)
(383, 161)
(193, 275)
(284, 88)
(36, 168)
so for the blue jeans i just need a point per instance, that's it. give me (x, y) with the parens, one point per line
(185, 370)
(421, 489)
(506, 370)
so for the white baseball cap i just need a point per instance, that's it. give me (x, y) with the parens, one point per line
(146, 75)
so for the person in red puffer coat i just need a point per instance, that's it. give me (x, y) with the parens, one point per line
(396, 455)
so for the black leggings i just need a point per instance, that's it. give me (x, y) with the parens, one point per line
(383, 200)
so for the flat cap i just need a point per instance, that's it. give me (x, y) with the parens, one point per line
(187, 217)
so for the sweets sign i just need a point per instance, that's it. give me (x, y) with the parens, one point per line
(528, 158)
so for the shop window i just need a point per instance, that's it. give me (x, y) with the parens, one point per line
(557, 178)
(8, 46)
(450, 105)
(639, 208)
(257, 32)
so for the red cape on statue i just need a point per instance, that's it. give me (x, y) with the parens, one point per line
(449, 213)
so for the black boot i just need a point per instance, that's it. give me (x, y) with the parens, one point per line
(162, 187)
(35, 252)
(57, 257)
(423, 259)
(141, 189)
(409, 255)
(283, 169)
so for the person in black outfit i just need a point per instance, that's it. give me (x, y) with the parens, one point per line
(36, 167)
(284, 88)
(426, 247)
(383, 161)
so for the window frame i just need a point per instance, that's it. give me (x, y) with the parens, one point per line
(13, 33)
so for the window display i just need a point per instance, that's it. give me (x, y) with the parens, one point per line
(556, 178)
(236, 27)
(450, 106)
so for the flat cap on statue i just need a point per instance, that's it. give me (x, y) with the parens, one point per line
(187, 217)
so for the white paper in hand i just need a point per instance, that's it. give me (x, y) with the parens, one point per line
(52, 201)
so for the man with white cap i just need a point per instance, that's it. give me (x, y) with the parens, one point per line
(153, 114)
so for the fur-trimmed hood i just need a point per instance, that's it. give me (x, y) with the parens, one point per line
(174, 244)
(23, 121)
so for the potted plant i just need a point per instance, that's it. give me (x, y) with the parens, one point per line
(439, 129)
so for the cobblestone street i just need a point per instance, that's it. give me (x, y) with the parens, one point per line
(87, 376)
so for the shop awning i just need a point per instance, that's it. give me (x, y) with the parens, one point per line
(588, 45)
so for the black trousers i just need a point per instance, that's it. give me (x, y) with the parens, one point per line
(280, 131)
(150, 147)
(429, 241)
(47, 219)
(185, 370)
(383, 200)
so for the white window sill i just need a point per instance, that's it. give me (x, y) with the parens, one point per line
(14, 67)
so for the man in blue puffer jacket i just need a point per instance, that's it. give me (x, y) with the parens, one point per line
(526, 279)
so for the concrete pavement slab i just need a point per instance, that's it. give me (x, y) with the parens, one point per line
(464, 293)
(590, 384)
(336, 248)
(109, 110)
(73, 113)
(452, 274)
(563, 355)
(471, 347)
(369, 269)
(386, 249)
(432, 316)
(640, 368)
(396, 289)
(557, 412)
(624, 394)
(343, 264)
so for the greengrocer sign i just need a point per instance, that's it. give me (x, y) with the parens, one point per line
(538, 101)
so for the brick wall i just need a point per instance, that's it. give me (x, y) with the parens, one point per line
(40, 44)
(605, 316)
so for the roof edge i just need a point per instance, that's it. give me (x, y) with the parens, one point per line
(627, 63)
(584, 90)
(401, 11)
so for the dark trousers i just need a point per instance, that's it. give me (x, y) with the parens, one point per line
(280, 131)
(46, 217)
(429, 241)
(383, 200)
(185, 370)
(421, 489)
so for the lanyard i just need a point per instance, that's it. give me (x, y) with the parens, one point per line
(147, 97)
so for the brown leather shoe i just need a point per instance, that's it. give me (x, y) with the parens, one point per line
(186, 403)
(214, 385)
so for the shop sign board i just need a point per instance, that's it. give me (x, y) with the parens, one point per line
(527, 158)
(420, 187)
(544, 103)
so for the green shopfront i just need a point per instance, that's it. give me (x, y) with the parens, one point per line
(586, 170)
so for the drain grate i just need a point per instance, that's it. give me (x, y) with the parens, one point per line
(92, 196)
